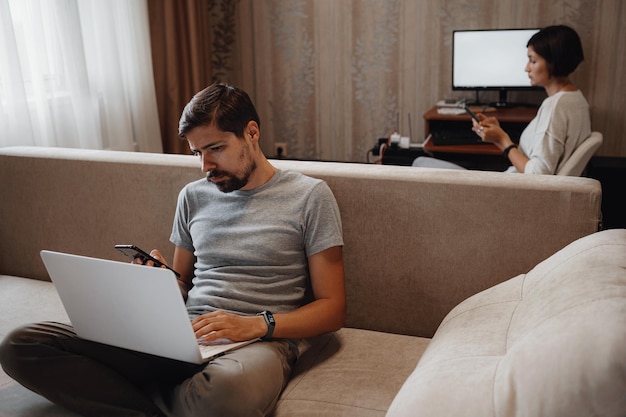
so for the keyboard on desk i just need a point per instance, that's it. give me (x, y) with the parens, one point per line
(454, 137)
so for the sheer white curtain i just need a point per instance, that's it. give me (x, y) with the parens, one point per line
(77, 73)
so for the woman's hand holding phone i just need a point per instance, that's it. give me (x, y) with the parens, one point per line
(471, 113)
(489, 130)
(476, 121)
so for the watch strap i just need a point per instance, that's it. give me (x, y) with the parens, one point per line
(508, 149)
(271, 324)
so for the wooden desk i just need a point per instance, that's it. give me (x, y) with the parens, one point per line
(504, 114)
(475, 155)
(512, 119)
(475, 149)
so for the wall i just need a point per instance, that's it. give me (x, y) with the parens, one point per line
(330, 77)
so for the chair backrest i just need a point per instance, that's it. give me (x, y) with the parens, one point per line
(576, 164)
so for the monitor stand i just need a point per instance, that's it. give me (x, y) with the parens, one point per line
(501, 103)
(476, 101)
(504, 103)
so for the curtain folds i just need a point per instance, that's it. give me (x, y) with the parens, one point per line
(181, 51)
(77, 74)
(327, 77)
(331, 77)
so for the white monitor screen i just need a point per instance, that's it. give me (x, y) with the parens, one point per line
(490, 58)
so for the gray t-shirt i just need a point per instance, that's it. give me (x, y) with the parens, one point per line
(252, 246)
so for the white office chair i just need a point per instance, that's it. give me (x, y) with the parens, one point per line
(577, 163)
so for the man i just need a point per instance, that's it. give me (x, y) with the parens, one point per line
(259, 252)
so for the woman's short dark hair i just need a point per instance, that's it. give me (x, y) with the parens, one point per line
(228, 107)
(560, 46)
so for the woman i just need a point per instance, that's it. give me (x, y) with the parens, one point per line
(562, 121)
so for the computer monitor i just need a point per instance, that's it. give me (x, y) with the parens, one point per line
(491, 59)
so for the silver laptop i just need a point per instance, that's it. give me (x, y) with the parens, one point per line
(131, 306)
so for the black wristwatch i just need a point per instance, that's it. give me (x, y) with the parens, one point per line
(508, 149)
(271, 323)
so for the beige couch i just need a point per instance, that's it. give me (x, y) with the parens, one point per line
(417, 243)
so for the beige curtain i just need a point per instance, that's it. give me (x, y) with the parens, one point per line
(181, 58)
(329, 77)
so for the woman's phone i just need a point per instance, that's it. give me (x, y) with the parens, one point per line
(471, 113)
(134, 252)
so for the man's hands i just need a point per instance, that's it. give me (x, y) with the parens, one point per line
(155, 254)
(183, 263)
(325, 314)
(219, 324)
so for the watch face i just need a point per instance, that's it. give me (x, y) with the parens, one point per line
(271, 323)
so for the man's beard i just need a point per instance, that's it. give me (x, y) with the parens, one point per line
(232, 182)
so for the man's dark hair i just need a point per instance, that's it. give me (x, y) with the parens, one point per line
(228, 107)
(560, 46)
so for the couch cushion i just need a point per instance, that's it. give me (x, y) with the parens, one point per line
(351, 372)
(548, 343)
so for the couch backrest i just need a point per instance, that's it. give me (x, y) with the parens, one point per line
(417, 241)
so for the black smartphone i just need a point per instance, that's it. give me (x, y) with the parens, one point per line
(471, 113)
(134, 252)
